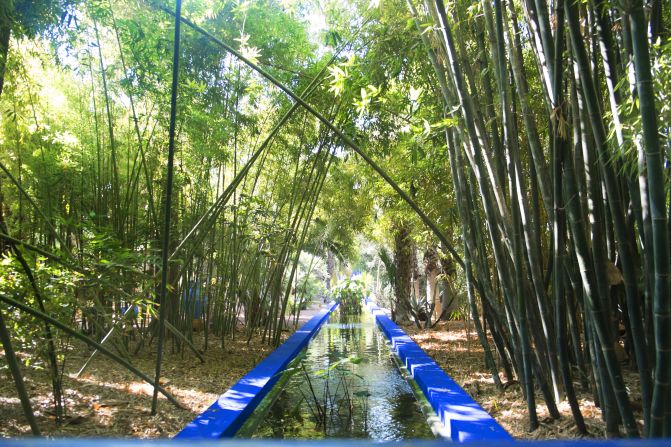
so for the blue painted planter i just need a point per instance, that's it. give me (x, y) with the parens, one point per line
(463, 418)
(194, 300)
(227, 414)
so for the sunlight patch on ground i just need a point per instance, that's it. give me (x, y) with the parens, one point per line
(109, 401)
(460, 354)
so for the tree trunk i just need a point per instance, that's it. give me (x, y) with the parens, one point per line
(431, 272)
(403, 280)
(330, 270)
(5, 32)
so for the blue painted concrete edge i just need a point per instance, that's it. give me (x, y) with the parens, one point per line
(463, 418)
(111, 442)
(227, 414)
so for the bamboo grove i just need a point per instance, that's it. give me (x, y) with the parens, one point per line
(170, 166)
(599, 186)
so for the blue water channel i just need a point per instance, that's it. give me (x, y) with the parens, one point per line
(346, 384)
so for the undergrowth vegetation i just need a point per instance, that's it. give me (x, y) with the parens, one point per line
(217, 167)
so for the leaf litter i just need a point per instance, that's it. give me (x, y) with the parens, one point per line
(456, 348)
(108, 401)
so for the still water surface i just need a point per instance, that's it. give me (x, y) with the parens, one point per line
(345, 386)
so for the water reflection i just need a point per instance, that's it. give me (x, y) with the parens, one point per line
(347, 386)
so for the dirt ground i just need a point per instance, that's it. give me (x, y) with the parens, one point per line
(108, 401)
(460, 354)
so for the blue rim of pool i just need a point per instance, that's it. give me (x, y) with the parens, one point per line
(227, 414)
(463, 419)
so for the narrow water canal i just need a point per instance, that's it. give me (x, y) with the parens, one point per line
(345, 385)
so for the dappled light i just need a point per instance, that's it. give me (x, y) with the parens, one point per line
(189, 189)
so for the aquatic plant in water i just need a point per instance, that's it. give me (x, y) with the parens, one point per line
(350, 294)
(339, 402)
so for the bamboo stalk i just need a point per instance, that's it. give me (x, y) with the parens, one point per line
(72, 332)
(168, 207)
(660, 415)
(13, 364)
(347, 140)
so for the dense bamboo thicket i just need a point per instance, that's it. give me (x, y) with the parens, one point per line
(572, 190)
(213, 166)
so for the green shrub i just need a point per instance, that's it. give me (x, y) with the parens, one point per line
(350, 294)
